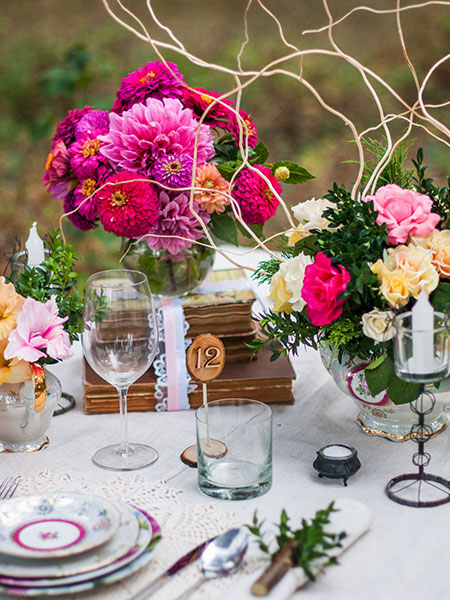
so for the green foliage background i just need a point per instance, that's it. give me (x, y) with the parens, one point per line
(60, 54)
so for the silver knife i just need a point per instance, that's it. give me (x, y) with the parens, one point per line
(182, 562)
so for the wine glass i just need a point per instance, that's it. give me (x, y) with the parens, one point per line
(119, 340)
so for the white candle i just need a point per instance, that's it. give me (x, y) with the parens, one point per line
(34, 247)
(422, 324)
(337, 451)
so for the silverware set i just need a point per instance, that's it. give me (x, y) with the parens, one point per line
(8, 487)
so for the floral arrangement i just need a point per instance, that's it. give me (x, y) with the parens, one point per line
(39, 314)
(132, 169)
(351, 265)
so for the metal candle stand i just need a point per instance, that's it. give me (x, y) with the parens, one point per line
(420, 433)
(422, 356)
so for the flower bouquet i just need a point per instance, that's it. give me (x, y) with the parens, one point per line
(168, 169)
(351, 265)
(40, 316)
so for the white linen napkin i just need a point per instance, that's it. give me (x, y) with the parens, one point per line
(352, 516)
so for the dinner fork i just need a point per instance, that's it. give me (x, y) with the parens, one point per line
(8, 487)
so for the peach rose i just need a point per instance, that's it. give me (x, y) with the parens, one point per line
(439, 243)
(279, 295)
(416, 263)
(377, 325)
(10, 306)
(394, 284)
(404, 211)
(13, 371)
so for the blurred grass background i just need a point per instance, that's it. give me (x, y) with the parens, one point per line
(56, 55)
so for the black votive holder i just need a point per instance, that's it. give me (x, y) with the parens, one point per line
(337, 467)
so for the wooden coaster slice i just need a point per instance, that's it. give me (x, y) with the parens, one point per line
(211, 448)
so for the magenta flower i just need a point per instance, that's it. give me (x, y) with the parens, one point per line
(154, 80)
(176, 219)
(58, 176)
(147, 132)
(198, 100)
(77, 219)
(95, 120)
(93, 179)
(127, 209)
(85, 154)
(322, 286)
(173, 170)
(39, 333)
(66, 128)
(248, 128)
(257, 201)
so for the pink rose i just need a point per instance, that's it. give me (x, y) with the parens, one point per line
(404, 212)
(322, 286)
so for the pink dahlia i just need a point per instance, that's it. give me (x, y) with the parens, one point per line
(66, 128)
(58, 176)
(125, 207)
(76, 218)
(94, 120)
(154, 80)
(85, 154)
(146, 132)
(177, 225)
(257, 201)
(212, 197)
(173, 170)
(248, 128)
(198, 99)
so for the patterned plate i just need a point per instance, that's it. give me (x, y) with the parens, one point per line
(147, 523)
(55, 525)
(119, 545)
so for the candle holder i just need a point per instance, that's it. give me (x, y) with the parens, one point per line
(337, 461)
(421, 356)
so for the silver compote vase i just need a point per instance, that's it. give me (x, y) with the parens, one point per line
(23, 421)
(378, 414)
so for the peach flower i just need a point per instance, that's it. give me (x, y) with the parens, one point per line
(394, 284)
(10, 306)
(377, 325)
(13, 371)
(279, 294)
(439, 243)
(212, 197)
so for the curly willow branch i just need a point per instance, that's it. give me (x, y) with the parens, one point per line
(415, 115)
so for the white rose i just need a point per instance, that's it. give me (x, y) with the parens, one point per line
(293, 273)
(377, 325)
(309, 213)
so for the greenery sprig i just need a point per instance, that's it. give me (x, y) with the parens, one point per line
(314, 541)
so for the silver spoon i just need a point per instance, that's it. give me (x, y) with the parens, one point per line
(222, 556)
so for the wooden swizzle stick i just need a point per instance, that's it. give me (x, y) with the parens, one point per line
(205, 360)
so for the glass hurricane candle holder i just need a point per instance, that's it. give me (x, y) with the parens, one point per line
(421, 356)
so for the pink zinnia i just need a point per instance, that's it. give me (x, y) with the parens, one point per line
(93, 179)
(198, 100)
(148, 131)
(257, 201)
(212, 197)
(127, 209)
(173, 170)
(71, 202)
(58, 174)
(85, 154)
(154, 80)
(39, 333)
(248, 128)
(176, 219)
(94, 120)
(66, 128)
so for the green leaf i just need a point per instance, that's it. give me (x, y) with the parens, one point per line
(402, 392)
(441, 297)
(377, 362)
(308, 245)
(297, 174)
(378, 378)
(226, 170)
(224, 228)
(260, 154)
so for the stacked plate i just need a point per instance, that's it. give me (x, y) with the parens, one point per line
(59, 543)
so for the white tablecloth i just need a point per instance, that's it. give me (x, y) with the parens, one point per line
(404, 555)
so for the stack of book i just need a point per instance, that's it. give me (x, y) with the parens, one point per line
(222, 307)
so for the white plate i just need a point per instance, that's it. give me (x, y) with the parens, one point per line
(119, 545)
(55, 525)
(147, 522)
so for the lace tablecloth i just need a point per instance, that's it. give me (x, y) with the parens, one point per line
(183, 527)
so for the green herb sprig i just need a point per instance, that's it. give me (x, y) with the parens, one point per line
(314, 542)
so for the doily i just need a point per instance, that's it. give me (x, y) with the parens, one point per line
(183, 527)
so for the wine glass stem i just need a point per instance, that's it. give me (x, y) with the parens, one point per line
(124, 448)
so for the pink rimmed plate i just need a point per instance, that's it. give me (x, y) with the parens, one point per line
(72, 585)
(120, 544)
(55, 525)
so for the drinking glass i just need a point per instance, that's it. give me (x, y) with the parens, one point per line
(119, 340)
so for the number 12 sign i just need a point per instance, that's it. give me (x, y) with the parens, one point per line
(205, 357)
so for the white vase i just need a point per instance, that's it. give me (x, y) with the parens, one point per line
(22, 428)
(378, 414)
